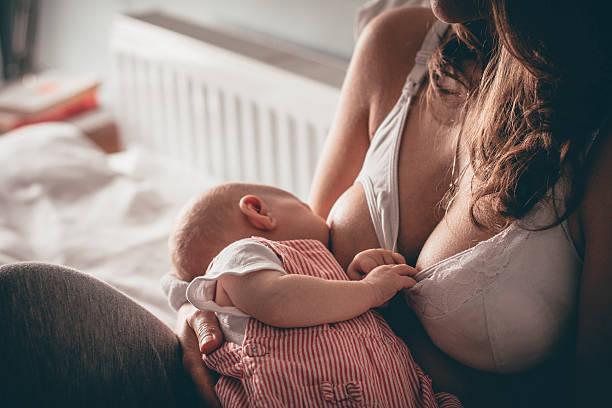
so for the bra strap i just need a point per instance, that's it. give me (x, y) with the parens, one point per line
(430, 44)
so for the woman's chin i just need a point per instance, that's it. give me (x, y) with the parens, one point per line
(453, 11)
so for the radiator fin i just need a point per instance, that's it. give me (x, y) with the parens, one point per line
(218, 112)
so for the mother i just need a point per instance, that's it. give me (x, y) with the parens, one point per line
(493, 184)
(513, 113)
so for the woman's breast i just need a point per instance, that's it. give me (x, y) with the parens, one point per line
(503, 305)
(351, 229)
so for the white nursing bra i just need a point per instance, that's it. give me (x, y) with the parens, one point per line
(378, 173)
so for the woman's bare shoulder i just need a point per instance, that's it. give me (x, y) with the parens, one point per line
(386, 51)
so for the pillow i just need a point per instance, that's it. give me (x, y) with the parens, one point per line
(374, 7)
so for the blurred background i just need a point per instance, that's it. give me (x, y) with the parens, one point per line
(72, 38)
(132, 114)
(72, 35)
(66, 45)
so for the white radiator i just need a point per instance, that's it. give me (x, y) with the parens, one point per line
(232, 106)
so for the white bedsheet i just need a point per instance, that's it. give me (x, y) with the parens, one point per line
(64, 201)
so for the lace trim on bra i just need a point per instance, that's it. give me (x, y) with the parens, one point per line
(472, 271)
(446, 285)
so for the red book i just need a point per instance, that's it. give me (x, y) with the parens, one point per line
(46, 97)
(74, 107)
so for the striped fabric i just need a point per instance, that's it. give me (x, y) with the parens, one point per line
(354, 363)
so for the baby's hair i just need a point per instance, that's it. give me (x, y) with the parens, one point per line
(203, 226)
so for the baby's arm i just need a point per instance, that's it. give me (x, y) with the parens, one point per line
(300, 301)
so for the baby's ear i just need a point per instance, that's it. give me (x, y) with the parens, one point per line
(256, 213)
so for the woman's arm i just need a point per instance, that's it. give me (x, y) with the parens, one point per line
(594, 339)
(348, 140)
(198, 333)
(300, 301)
(383, 56)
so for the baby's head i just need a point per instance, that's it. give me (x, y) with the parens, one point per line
(232, 211)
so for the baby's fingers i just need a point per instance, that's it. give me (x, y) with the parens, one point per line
(398, 258)
(407, 282)
(390, 258)
(404, 270)
(387, 258)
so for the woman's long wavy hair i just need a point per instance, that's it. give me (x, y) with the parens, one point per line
(537, 89)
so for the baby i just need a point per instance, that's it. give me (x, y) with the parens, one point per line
(299, 332)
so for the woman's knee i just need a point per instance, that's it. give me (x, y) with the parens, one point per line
(68, 337)
(25, 288)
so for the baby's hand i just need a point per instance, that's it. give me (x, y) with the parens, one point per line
(369, 259)
(387, 280)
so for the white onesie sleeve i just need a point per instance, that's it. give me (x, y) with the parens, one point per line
(239, 258)
(174, 288)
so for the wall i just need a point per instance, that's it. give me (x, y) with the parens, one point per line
(73, 34)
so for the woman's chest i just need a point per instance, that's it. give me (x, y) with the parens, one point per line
(393, 203)
(509, 294)
(431, 229)
(414, 178)
(504, 304)
(455, 230)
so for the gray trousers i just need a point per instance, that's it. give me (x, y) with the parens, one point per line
(70, 340)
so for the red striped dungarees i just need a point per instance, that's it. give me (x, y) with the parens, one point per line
(354, 363)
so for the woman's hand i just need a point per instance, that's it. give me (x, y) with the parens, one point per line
(198, 333)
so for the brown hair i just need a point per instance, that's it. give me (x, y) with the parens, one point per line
(539, 95)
